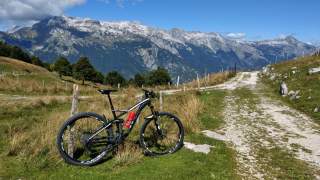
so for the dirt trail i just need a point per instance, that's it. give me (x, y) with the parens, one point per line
(262, 123)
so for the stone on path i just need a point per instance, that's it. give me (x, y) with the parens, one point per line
(203, 148)
(214, 135)
(314, 70)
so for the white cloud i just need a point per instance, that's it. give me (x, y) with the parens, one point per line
(28, 10)
(238, 36)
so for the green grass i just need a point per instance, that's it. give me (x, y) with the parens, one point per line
(182, 165)
(308, 85)
(17, 119)
(283, 165)
(212, 117)
(23, 119)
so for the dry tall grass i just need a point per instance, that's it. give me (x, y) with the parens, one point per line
(32, 84)
(31, 142)
(9, 64)
(186, 107)
(128, 153)
(41, 138)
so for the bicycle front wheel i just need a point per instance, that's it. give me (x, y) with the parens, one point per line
(83, 140)
(163, 134)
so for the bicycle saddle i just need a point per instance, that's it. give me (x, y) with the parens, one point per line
(106, 91)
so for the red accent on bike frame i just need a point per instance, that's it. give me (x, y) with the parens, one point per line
(130, 118)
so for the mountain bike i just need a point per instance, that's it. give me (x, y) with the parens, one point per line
(87, 137)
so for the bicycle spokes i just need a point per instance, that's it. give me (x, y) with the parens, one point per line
(79, 143)
(162, 135)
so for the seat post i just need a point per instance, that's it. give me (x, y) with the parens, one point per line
(112, 108)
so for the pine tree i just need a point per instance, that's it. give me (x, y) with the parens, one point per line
(63, 67)
(83, 70)
(139, 80)
(159, 76)
(18, 53)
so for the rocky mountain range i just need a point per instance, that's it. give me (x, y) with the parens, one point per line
(130, 47)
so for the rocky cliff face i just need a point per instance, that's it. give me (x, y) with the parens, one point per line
(130, 47)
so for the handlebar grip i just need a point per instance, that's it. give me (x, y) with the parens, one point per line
(150, 94)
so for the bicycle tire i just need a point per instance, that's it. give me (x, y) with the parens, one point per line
(64, 154)
(177, 146)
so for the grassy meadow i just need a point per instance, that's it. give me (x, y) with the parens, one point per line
(296, 75)
(35, 102)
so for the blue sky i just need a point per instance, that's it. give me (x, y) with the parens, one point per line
(257, 19)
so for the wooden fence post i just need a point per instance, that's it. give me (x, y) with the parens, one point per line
(198, 81)
(161, 101)
(178, 81)
(74, 108)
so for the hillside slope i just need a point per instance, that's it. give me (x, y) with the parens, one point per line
(9, 65)
(304, 87)
(18, 77)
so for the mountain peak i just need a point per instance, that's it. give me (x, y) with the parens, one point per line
(113, 45)
(291, 39)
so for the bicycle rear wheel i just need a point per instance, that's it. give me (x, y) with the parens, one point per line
(80, 142)
(162, 134)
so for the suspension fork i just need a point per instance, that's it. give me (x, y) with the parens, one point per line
(156, 122)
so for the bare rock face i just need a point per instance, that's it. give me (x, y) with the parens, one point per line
(283, 89)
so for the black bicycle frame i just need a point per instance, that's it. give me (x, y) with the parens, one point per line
(140, 105)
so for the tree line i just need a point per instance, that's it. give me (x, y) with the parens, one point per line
(16, 52)
(83, 70)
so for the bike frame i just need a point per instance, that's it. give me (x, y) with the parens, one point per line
(116, 118)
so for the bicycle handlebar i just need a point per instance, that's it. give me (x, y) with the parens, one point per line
(149, 94)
